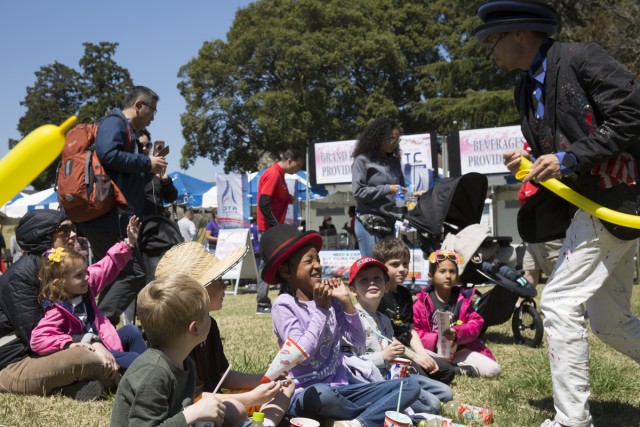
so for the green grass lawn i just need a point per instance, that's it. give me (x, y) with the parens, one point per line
(521, 396)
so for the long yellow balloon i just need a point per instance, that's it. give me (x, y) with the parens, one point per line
(30, 157)
(609, 215)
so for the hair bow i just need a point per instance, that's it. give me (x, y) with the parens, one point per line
(55, 254)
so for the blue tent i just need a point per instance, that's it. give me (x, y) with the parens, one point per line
(190, 189)
(315, 191)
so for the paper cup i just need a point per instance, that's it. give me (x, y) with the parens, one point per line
(396, 419)
(399, 368)
(290, 355)
(303, 422)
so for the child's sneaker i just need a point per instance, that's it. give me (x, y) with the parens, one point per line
(83, 390)
(466, 371)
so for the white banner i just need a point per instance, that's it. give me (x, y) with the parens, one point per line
(481, 149)
(338, 263)
(233, 205)
(333, 161)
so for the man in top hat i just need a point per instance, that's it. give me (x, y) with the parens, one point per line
(580, 113)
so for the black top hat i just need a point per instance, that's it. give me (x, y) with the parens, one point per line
(279, 243)
(502, 16)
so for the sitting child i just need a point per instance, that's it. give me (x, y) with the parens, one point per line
(71, 318)
(397, 305)
(317, 314)
(158, 388)
(368, 283)
(211, 363)
(471, 356)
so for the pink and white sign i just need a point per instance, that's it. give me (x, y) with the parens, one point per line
(481, 149)
(333, 161)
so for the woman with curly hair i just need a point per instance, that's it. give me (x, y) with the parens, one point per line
(376, 177)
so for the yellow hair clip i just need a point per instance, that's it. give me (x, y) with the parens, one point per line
(56, 254)
(440, 255)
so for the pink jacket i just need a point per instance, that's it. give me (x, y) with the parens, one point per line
(58, 325)
(467, 332)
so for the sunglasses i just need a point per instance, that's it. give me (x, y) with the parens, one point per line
(66, 229)
(393, 140)
(443, 254)
(148, 145)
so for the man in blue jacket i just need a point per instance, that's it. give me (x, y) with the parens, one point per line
(580, 113)
(126, 164)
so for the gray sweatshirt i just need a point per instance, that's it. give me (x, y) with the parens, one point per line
(371, 179)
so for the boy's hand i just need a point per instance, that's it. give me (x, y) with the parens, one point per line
(208, 408)
(322, 295)
(264, 393)
(427, 363)
(393, 350)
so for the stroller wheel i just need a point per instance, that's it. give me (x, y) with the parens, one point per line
(526, 324)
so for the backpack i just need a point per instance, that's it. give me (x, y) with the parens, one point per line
(85, 190)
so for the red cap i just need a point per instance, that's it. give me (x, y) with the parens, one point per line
(365, 262)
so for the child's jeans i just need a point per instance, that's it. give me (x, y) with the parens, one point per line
(431, 394)
(365, 402)
(133, 345)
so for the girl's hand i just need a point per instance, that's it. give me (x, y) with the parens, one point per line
(338, 290)
(208, 408)
(451, 334)
(322, 295)
(418, 193)
(133, 230)
(393, 350)
(108, 361)
(395, 187)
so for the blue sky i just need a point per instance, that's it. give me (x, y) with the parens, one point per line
(155, 39)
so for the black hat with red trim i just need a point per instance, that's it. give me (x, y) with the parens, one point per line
(503, 16)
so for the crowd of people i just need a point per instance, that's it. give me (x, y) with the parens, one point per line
(59, 310)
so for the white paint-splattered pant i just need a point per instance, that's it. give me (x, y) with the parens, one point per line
(594, 269)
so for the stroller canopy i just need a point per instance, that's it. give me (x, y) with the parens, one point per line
(451, 205)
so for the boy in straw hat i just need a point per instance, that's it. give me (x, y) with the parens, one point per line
(211, 363)
(580, 114)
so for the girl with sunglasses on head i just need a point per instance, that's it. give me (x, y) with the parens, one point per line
(471, 357)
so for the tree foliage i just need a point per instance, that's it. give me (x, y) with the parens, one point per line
(60, 91)
(293, 72)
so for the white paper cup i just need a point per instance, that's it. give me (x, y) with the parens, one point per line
(303, 422)
(399, 368)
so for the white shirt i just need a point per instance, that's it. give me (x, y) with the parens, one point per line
(187, 229)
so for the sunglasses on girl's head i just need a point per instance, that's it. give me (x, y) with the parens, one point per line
(66, 229)
(394, 140)
(443, 254)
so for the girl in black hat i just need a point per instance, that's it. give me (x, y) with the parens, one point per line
(317, 314)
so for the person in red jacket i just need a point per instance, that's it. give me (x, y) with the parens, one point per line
(443, 293)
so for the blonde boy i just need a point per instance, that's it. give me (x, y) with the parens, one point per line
(159, 386)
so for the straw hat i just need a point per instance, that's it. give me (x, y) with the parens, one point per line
(193, 259)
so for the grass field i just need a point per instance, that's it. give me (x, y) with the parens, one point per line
(521, 396)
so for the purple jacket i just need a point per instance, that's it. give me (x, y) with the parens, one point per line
(58, 325)
(318, 332)
(467, 332)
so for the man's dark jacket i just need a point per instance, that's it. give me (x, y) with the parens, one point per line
(20, 311)
(592, 110)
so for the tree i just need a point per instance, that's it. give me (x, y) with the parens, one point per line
(60, 91)
(293, 72)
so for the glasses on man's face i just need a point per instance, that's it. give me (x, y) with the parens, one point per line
(147, 146)
(442, 254)
(493, 41)
(150, 107)
(66, 229)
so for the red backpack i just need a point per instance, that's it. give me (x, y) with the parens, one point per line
(85, 190)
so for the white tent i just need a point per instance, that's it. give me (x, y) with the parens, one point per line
(210, 198)
(21, 206)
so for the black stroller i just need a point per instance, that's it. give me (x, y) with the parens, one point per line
(448, 216)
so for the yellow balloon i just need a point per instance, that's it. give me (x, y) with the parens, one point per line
(609, 215)
(30, 157)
